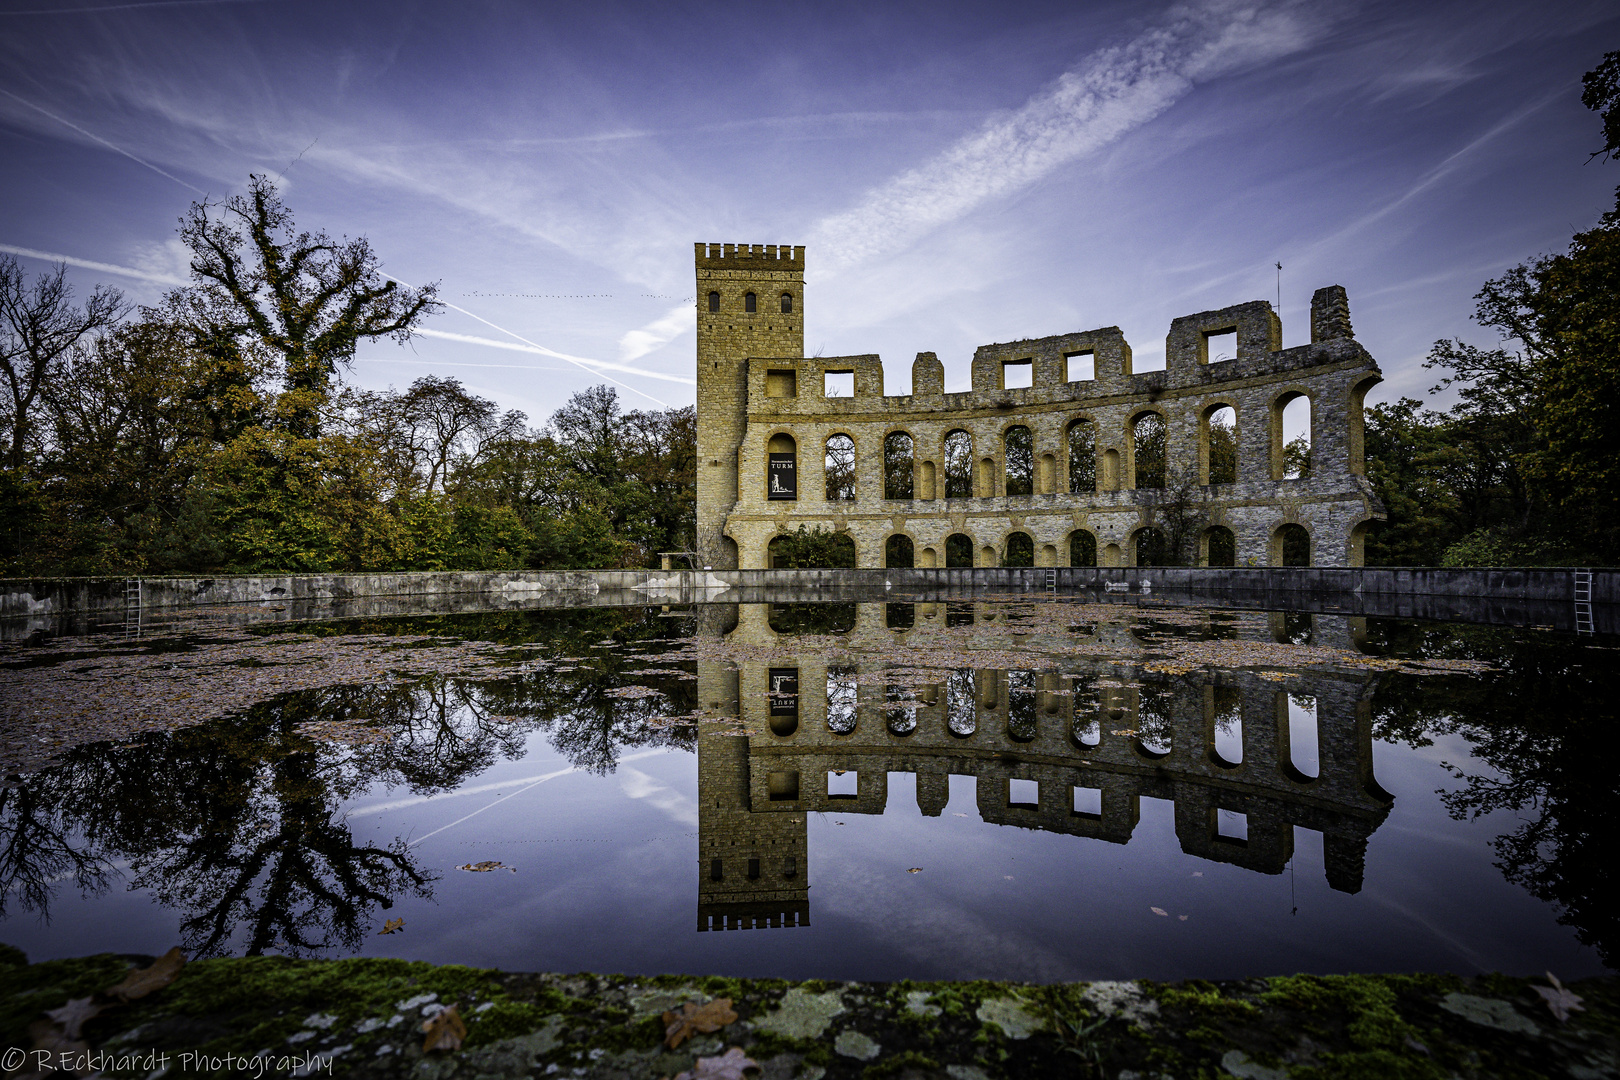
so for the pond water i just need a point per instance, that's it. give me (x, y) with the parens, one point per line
(1040, 790)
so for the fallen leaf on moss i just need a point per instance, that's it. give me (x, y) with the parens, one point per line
(137, 984)
(728, 1066)
(75, 1014)
(1558, 997)
(691, 1018)
(445, 1031)
(392, 926)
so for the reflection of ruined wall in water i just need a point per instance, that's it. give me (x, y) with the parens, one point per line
(1059, 731)
(1003, 466)
(751, 866)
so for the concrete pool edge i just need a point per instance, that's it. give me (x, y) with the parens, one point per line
(365, 1017)
(1552, 596)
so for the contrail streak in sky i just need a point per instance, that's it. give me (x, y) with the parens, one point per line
(103, 142)
(124, 7)
(493, 344)
(89, 264)
(583, 365)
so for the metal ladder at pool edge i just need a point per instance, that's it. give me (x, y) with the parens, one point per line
(1051, 582)
(132, 607)
(1583, 601)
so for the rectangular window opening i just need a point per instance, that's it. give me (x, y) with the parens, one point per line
(753, 869)
(838, 384)
(1220, 346)
(790, 867)
(1082, 366)
(1023, 794)
(1017, 374)
(1231, 826)
(715, 873)
(781, 384)
(842, 784)
(782, 786)
(1088, 802)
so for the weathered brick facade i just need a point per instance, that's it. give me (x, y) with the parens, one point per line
(756, 390)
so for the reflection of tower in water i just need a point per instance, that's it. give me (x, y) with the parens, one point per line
(1072, 751)
(751, 866)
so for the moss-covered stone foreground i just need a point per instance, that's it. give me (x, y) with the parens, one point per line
(266, 1016)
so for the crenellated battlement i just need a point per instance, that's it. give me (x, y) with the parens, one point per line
(749, 256)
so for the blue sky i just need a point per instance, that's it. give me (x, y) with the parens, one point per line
(960, 174)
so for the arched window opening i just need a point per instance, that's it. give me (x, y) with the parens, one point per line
(841, 699)
(781, 468)
(1293, 627)
(897, 466)
(750, 303)
(1021, 718)
(1082, 456)
(899, 553)
(1291, 437)
(1154, 728)
(1085, 729)
(1148, 439)
(900, 616)
(900, 710)
(958, 465)
(1220, 547)
(787, 303)
(1300, 737)
(714, 301)
(1224, 707)
(811, 619)
(961, 716)
(1220, 445)
(958, 551)
(1291, 546)
(1150, 548)
(1020, 446)
(840, 467)
(1020, 550)
(812, 549)
(1082, 548)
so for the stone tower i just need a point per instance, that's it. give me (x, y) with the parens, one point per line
(750, 303)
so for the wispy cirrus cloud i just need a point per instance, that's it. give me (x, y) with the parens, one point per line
(1112, 92)
(638, 343)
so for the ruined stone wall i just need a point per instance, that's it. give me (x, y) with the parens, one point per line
(751, 400)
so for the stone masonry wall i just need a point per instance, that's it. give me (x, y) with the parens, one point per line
(750, 398)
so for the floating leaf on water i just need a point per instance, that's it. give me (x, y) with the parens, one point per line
(1159, 911)
(392, 926)
(137, 984)
(915, 870)
(445, 1031)
(691, 1018)
(485, 867)
(1183, 918)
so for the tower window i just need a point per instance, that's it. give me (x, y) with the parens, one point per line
(787, 303)
(715, 872)
(749, 303)
(714, 301)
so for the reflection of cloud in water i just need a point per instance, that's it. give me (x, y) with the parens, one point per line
(638, 785)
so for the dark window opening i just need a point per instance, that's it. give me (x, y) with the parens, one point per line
(790, 867)
(753, 869)
(715, 873)
(787, 303)
(714, 301)
(748, 303)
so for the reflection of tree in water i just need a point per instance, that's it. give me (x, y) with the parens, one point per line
(1536, 725)
(960, 715)
(238, 822)
(1154, 727)
(841, 699)
(1021, 723)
